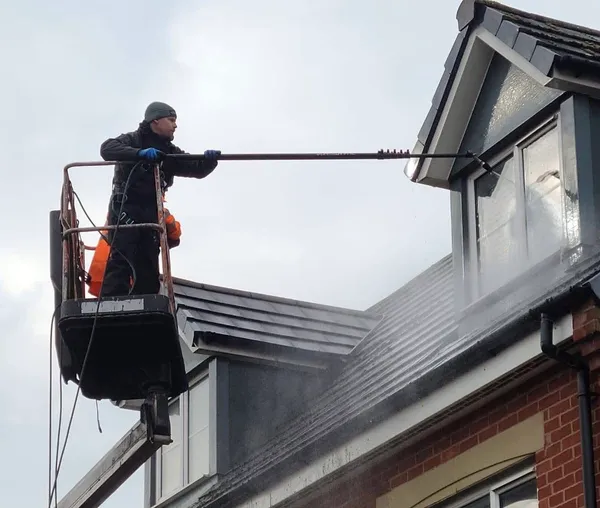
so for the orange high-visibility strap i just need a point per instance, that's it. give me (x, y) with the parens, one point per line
(97, 266)
(102, 252)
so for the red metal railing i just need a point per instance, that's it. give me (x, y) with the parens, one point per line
(73, 258)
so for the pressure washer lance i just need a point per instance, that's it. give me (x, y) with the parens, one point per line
(381, 155)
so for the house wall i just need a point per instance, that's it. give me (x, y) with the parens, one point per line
(558, 463)
(261, 399)
(405, 479)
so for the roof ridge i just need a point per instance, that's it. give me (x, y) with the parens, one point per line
(272, 298)
(537, 17)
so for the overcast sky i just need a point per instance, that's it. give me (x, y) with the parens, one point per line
(259, 76)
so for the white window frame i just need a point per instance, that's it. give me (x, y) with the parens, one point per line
(184, 400)
(515, 150)
(493, 489)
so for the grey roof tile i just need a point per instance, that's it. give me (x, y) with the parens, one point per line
(507, 33)
(215, 313)
(556, 35)
(525, 45)
(412, 339)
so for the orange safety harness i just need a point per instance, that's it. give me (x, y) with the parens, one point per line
(102, 252)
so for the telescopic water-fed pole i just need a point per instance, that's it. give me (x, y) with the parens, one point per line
(380, 155)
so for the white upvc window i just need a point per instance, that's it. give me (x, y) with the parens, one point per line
(187, 458)
(519, 490)
(515, 213)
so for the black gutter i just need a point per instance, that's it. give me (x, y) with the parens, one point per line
(577, 64)
(577, 362)
(268, 464)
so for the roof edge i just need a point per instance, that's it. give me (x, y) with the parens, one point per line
(273, 298)
(531, 15)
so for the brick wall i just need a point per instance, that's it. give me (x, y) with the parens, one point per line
(558, 465)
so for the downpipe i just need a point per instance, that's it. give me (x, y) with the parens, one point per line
(584, 395)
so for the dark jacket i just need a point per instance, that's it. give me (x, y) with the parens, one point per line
(141, 184)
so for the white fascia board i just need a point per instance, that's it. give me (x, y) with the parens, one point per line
(512, 56)
(376, 438)
(457, 110)
(462, 98)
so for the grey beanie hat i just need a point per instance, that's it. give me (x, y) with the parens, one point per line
(157, 110)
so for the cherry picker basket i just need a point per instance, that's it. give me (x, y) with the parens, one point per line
(115, 348)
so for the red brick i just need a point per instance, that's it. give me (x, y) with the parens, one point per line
(434, 461)
(468, 443)
(554, 474)
(537, 393)
(398, 480)
(563, 483)
(414, 472)
(549, 400)
(552, 450)
(559, 408)
(508, 422)
(562, 457)
(556, 499)
(570, 441)
(543, 466)
(589, 330)
(544, 492)
(450, 453)
(561, 433)
(573, 491)
(516, 403)
(571, 466)
(570, 416)
(479, 425)
(569, 390)
(551, 425)
(569, 504)
(487, 433)
(527, 411)
(424, 454)
(463, 433)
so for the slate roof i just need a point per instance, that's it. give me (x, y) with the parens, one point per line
(223, 320)
(541, 40)
(412, 340)
(548, 44)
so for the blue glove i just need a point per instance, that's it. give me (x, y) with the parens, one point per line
(212, 155)
(150, 154)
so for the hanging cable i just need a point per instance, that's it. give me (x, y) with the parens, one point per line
(105, 238)
(94, 323)
(50, 400)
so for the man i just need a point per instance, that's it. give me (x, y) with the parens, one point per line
(102, 251)
(135, 153)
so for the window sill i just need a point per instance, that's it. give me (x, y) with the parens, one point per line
(201, 484)
(515, 285)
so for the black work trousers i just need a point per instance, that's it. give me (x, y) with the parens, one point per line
(134, 251)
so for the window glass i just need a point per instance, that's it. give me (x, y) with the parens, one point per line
(171, 455)
(522, 496)
(543, 196)
(483, 502)
(198, 430)
(497, 228)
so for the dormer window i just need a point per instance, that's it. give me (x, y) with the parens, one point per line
(515, 213)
